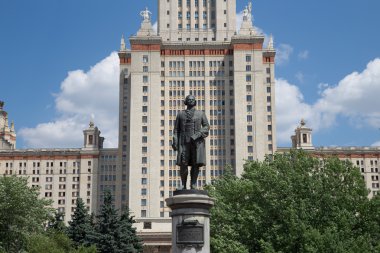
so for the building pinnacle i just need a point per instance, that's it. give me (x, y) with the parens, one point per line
(270, 42)
(122, 44)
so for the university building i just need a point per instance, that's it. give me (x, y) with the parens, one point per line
(197, 51)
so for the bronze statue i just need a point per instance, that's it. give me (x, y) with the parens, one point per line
(190, 130)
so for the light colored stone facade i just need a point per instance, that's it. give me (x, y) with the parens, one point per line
(196, 51)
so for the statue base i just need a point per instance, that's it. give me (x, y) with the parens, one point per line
(190, 221)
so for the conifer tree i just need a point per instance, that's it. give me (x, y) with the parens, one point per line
(128, 240)
(80, 229)
(107, 226)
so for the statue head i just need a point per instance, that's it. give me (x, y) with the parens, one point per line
(190, 101)
(1, 105)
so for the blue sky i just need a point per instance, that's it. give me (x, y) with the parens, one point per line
(58, 69)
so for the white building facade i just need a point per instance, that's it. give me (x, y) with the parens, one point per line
(196, 51)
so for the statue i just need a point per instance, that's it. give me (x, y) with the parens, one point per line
(146, 14)
(247, 13)
(190, 130)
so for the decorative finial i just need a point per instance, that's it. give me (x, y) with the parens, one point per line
(122, 44)
(12, 126)
(92, 121)
(303, 123)
(1, 105)
(270, 42)
(146, 14)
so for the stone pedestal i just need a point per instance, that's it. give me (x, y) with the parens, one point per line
(190, 221)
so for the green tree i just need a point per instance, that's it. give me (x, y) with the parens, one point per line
(54, 242)
(57, 223)
(128, 240)
(295, 203)
(22, 213)
(114, 233)
(107, 226)
(80, 229)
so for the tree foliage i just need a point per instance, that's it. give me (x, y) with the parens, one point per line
(295, 203)
(80, 228)
(55, 242)
(22, 213)
(115, 234)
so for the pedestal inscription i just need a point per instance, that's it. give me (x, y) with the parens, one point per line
(190, 233)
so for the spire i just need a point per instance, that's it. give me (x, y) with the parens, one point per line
(270, 43)
(122, 44)
(12, 127)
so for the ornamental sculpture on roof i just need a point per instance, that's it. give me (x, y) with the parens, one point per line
(247, 13)
(146, 14)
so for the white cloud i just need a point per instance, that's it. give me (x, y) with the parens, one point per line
(82, 94)
(283, 53)
(290, 109)
(154, 26)
(303, 55)
(355, 97)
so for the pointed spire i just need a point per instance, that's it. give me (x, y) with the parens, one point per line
(122, 44)
(12, 127)
(270, 43)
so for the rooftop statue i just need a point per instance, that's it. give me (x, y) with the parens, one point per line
(146, 14)
(247, 13)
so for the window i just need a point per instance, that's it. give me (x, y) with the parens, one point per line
(304, 138)
(180, 15)
(143, 192)
(143, 202)
(147, 225)
(248, 78)
(145, 68)
(248, 68)
(145, 79)
(144, 181)
(145, 59)
(248, 58)
(268, 89)
(143, 214)
(248, 88)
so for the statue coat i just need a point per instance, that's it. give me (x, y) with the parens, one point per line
(201, 127)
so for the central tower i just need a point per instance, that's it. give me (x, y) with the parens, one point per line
(197, 51)
(196, 20)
